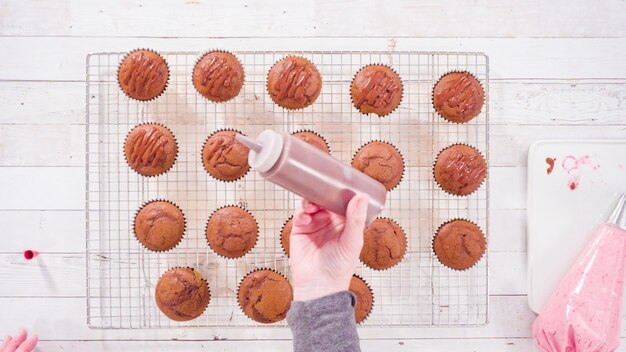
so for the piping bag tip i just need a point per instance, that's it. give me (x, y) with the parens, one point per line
(618, 215)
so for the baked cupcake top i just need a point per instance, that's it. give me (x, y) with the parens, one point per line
(150, 149)
(384, 244)
(218, 76)
(459, 244)
(294, 82)
(458, 97)
(376, 89)
(380, 161)
(284, 235)
(224, 157)
(143, 74)
(265, 296)
(313, 139)
(364, 298)
(182, 294)
(159, 225)
(231, 231)
(460, 169)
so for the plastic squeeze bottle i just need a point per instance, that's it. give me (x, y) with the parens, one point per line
(308, 172)
(584, 312)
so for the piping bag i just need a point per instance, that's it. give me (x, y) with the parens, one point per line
(584, 312)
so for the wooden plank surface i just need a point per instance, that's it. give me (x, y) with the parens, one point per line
(492, 18)
(557, 71)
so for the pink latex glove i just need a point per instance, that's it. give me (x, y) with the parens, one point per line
(19, 343)
(325, 248)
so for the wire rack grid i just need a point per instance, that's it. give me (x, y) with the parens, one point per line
(121, 274)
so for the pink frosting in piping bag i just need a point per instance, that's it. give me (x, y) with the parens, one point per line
(584, 312)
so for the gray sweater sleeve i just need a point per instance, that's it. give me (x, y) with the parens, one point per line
(324, 324)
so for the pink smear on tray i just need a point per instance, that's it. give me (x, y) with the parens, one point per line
(573, 166)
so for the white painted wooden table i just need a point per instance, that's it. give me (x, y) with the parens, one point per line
(558, 70)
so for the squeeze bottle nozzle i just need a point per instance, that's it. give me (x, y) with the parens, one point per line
(249, 142)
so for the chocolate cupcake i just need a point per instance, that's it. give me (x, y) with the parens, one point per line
(224, 157)
(313, 139)
(159, 225)
(384, 244)
(182, 294)
(458, 97)
(218, 76)
(232, 231)
(285, 232)
(380, 161)
(460, 169)
(294, 83)
(376, 89)
(364, 298)
(459, 244)
(150, 149)
(265, 296)
(143, 74)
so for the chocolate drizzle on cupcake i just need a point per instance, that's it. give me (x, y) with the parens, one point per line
(143, 74)
(458, 97)
(460, 169)
(218, 76)
(294, 82)
(224, 157)
(150, 149)
(376, 89)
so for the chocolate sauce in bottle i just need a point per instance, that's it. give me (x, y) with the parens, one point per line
(312, 174)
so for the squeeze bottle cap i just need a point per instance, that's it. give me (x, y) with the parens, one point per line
(618, 216)
(264, 151)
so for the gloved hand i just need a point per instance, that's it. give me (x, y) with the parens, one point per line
(325, 248)
(19, 343)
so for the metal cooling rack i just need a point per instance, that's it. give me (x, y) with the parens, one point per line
(121, 275)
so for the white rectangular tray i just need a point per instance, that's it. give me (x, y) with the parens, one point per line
(561, 219)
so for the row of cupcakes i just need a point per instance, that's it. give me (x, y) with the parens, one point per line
(151, 149)
(264, 295)
(294, 83)
(232, 231)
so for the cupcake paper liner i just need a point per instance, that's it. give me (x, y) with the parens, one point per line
(159, 200)
(245, 276)
(432, 95)
(396, 148)
(206, 227)
(201, 277)
(267, 79)
(373, 298)
(150, 123)
(202, 154)
(282, 245)
(432, 244)
(405, 248)
(330, 151)
(481, 183)
(117, 74)
(200, 57)
(401, 95)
